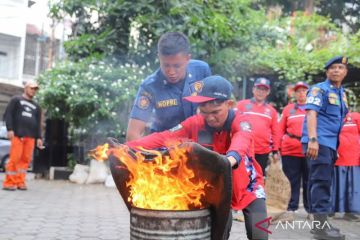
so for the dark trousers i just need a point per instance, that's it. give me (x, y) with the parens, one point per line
(262, 159)
(255, 212)
(320, 177)
(295, 168)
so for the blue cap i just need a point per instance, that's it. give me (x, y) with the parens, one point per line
(210, 88)
(262, 82)
(301, 84)
(338, 59)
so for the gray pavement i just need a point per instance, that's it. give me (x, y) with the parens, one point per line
(62, 210)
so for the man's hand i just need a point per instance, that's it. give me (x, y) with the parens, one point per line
(113, 142)
(276, 156)
(39, 143)
(136, 129)
(312, 150)
(10, 134)
(232, 161)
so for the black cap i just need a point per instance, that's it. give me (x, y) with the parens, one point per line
(210, 88)
(338, 59)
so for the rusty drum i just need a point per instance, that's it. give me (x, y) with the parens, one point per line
(169, 225)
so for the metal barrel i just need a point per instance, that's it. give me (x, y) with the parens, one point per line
(169, 225)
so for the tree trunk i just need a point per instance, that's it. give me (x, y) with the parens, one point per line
(309, 7)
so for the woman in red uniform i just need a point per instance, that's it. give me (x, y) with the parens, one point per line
(346, 187)
(293, 159)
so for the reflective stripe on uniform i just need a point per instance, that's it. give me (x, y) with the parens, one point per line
(259, 114)
(296, 116)
(22, 170)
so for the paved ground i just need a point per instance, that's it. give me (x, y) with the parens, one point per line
(62, 210)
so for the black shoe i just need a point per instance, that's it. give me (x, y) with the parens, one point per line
(327, 234)
(11, 188)
(351, 217)
(312, 231)
(322, 220)
(22, 188)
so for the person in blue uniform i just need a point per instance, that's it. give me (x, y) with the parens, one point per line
(326, 108)
(159, 101)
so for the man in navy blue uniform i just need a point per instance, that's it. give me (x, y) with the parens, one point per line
(326, 107)
(159, 100)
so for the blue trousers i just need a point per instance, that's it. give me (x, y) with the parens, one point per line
(346, 189)
(320, 177)
(296, 170)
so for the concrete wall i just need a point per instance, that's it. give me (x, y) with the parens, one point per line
(9, 58)
(12, 40)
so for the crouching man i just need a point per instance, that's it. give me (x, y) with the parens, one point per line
(221, 129)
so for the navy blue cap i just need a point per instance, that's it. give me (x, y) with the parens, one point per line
(338, 59)
(301, 84)
(210, 88)
(262, 82)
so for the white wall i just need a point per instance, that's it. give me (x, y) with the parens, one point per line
(12, 17)
(9, 56)
(12, 40)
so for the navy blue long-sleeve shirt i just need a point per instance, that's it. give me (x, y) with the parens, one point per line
(23, 116)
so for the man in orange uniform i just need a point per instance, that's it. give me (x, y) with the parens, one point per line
(293, 159)
(22, 117)
(346, 188)
(264, 121)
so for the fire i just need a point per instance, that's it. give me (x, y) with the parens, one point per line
(163, 183)
(100, 153)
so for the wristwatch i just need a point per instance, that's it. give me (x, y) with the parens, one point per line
(313, 139)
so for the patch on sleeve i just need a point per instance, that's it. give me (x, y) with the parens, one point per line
(143, 102)
(176, 128)
(245, 126)
(315, 91)
(313, 100)
(315, 97)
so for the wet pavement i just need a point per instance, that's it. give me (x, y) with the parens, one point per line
(58, 209)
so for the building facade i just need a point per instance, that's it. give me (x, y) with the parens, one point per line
(24, 49)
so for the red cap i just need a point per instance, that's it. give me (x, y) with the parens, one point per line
(301, 84)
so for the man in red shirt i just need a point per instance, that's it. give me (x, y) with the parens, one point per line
(225, 131)
(293, 159)
(264, 121)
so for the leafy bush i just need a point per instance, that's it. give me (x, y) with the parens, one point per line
(93, 97)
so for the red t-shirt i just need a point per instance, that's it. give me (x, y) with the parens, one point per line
(264, 122)
(290, 126)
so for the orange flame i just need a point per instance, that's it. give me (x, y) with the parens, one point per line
(100, 153)
(164, 183)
